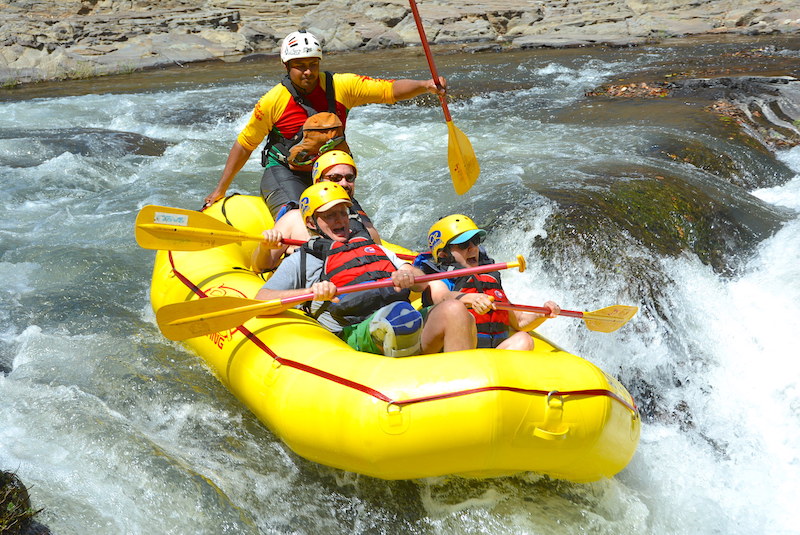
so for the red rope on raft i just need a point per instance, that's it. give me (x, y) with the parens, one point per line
(405, 402)
(559, 393)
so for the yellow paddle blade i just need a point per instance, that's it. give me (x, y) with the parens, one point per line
(201, 317)
(464, 168)
(609, 319)
(176, 229)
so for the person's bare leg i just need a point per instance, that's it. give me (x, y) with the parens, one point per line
(518, 341)
(449, 327)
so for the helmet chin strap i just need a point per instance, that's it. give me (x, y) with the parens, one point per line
(319, 230)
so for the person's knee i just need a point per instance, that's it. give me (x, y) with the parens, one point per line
(523, 341)
(456, 321)
(449, 327)
(520, 341)
(528, 345)
(454, 310)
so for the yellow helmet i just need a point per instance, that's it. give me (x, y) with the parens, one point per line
(321, 197)
(328, 160)
(456, 228)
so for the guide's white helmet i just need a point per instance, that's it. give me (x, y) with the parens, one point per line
(300, 44)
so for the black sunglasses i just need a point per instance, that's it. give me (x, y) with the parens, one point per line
(475, 240)
(336, 177)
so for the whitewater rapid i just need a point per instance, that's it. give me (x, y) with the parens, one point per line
(117, 430)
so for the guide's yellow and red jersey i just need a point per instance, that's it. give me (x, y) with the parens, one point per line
(279, 111)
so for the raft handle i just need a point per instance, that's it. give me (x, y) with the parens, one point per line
(552, 394)
(553, 414)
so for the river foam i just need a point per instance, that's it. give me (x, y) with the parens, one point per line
(117, 430)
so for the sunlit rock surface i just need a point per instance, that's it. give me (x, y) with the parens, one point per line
(41, 39)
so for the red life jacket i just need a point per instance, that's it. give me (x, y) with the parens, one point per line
(354, 261)
(357, 260)
(492, 327)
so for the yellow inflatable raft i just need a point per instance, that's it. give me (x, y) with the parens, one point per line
(478, 413)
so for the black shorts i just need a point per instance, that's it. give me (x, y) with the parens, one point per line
(280, 185)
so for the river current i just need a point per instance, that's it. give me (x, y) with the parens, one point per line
(117, 430)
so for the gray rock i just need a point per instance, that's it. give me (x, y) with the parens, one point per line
(387, 13)
(259, 33)
(42, 39)
(336, 34)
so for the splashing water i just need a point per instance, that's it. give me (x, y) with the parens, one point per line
(117, 430)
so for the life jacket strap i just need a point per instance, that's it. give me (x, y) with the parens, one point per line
(282, 145)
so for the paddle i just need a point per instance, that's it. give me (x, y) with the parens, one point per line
(177, 229)
(200, 317)
(464, 168)
(605, 320)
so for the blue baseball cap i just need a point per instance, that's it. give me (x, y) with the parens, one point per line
(466, 236)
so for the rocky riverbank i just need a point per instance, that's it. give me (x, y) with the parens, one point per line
(57, 39)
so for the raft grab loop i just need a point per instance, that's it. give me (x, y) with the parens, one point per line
(393, 419)
(552, 428)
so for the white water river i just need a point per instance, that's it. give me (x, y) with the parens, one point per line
(117, 430)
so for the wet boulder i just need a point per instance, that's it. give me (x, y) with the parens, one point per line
(16, 513)
(733, 156)
(659, 214)
(728, 126)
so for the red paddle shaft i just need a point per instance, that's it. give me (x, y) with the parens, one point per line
(289, 241)
(385, 283)
(429, 57)
(540, 310)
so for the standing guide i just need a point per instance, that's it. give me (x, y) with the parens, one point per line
(303, 116)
